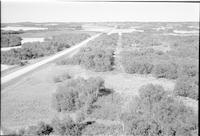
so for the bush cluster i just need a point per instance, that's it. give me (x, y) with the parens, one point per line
(105, 41)
(184, 47)
(137, 61)
(102, 130)
(147, 61)
(27, 52)
(11, 32)
(166, 69)
(77, 93)
(66, 126)
(96, 59)
(67, 40)
(10, 40)
(60, 127)
(154, 112)
(187, 87)
(10, 57)
(188, 69)
(97, 56)
(138, 65)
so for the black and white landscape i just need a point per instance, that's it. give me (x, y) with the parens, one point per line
(99, 68)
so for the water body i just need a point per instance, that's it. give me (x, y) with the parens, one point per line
(24, 40)
(185, 32)
(125, 31)
(17, 28)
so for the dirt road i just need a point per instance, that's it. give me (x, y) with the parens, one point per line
(29, 68)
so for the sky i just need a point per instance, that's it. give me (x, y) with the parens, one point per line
(62, 11)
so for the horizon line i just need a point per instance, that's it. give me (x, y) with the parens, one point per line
(95, 22)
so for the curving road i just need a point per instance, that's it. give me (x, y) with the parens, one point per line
(29, 68)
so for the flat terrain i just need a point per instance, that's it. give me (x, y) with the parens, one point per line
(29, 101)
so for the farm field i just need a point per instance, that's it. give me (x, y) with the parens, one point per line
(131, 79)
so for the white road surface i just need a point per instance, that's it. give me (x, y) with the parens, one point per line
(22, 71)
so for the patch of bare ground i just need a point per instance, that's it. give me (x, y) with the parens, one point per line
(28, 101)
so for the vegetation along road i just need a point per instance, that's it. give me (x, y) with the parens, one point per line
(24, 70)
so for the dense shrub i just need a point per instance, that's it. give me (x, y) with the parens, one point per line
(11, 32)
(165, 70)
(151, 94)
(33, 50)
(166, 116)
(185, 51)
(96, 59)
(184, 46)
(175, 118)
(138, 61)
(28, 51)
(188, 69)
(97, 129)
(169, 65)
(10, 40)
(187, 87)
(67, 40)
(11, 57)
(97, 56)
(105, 41)
(77, 93)
(66, 127)
(138, 65)
(135, 62)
